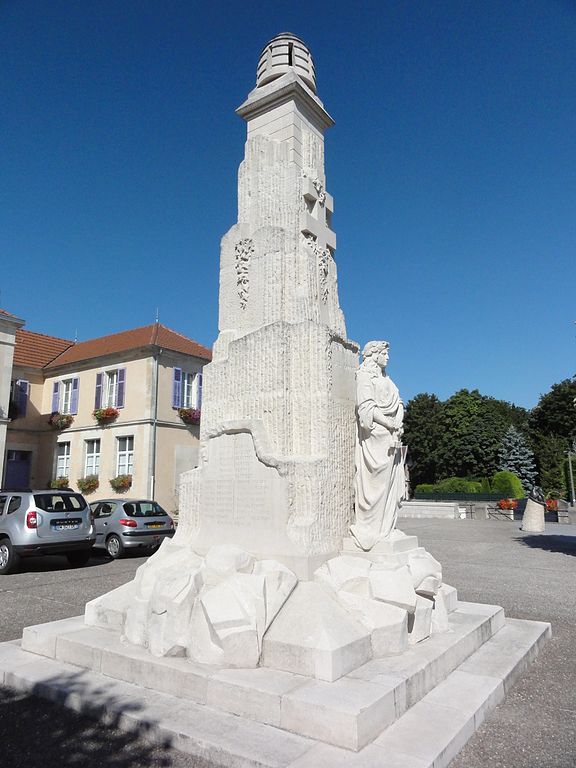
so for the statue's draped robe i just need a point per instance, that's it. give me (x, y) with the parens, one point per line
(380, 478)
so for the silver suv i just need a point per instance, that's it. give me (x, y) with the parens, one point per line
(44, 522)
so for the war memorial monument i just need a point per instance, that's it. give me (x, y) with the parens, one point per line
(289, 622)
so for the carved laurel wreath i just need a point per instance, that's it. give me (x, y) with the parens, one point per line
(243, 250)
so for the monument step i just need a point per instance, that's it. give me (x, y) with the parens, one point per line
(349, 712)
(427, 735)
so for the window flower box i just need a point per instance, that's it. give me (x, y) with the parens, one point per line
(88, 484)
(105, 415)
(189, 415)
(60, 420)
(121, 483)
(59, 482)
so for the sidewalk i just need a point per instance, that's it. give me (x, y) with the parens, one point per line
(533, 576)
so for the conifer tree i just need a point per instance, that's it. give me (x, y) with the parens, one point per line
(516, 456)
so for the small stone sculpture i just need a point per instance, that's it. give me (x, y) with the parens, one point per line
(533, 518)
(380, 483)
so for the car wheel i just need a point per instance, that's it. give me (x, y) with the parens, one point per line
(8, 558)
(114, 546)
(79, 558)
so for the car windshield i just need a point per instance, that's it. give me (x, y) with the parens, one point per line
(59, 502)
(143, 509)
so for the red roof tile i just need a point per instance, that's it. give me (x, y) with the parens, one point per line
(36, 350)
(148, 335)
(10, 315)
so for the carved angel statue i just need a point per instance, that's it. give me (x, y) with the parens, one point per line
(380, 482)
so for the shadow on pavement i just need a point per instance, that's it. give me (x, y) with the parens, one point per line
(34, 735)
(551, 543)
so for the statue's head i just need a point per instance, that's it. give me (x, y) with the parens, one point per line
(373, 348)
(375, 353)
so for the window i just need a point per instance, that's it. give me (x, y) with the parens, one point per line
(65, 396)
(92, 462)
(2, 504)
(63, 460)
(187, 389)
(19, 393)
(103, 510)
(110, 388)
(56, 502)
(15, 503)
(125, 456)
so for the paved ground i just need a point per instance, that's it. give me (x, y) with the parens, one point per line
(533, 577)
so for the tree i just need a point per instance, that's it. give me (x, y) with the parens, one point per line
(555, 413)
(472, 428)
(422, 436)
(551, 462)
(553, 431)
(516, 456)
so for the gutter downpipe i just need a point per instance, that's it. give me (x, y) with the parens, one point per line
(154, 426)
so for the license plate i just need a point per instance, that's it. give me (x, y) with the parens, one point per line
(67, 527)
(155, 525)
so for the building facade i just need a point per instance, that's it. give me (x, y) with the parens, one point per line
(9, 325)
(123, 408)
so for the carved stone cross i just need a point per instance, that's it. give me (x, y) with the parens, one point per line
(316, 229)
(316, 220)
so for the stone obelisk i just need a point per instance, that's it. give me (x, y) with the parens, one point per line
(277, 432)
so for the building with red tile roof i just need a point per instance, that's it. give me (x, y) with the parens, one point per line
(150, 378)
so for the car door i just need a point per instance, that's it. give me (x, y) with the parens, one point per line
(102, 515)
(101, 512)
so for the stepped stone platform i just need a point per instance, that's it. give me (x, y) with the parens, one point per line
(413, 710)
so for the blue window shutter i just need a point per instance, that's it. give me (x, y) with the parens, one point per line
(177, 388)
(22, 393)
(198, 390)
(55, 396)
(98, 396)
(74, 395)
(121, 387)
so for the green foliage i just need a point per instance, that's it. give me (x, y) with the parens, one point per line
(425, 488)
(555, 413)
(553, 432)
(551, 461)
(456, 485)
(452, 485)
(467, 436)
(508, 484)
(472, 428)
(516, 456)
(422, 436)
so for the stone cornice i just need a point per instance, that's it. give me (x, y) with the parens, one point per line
(289, 87)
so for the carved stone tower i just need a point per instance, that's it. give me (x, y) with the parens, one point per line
(277, 433)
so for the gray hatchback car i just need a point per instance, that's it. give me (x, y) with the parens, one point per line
(130, 523)
(44, 522)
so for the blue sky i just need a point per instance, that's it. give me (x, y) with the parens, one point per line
(452, 164)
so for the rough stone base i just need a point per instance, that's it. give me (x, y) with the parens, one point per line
(419, 707)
